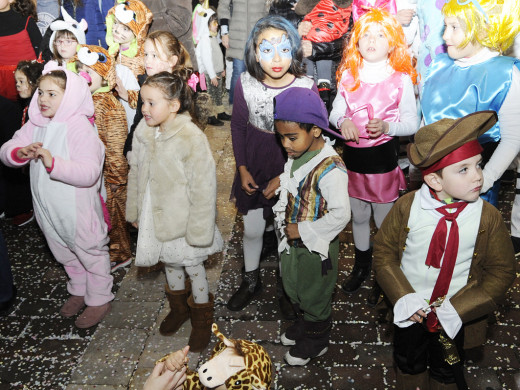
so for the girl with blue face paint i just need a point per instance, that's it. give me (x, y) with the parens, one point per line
(273, 59)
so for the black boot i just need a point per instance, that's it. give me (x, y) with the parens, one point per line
(250, 287)
(374, 295)
(314, 343)
(223, 116)
(361, 271)
(213, 121)
(286, 307)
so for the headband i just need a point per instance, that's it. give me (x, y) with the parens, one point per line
(469, 149)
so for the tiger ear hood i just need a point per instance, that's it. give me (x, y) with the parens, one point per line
(100, 61)
(132, 13)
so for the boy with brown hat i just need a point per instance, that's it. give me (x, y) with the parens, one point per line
(443, 279)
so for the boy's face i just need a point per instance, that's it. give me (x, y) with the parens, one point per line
(462, 180)
(296, 141)
(454, 35)
(373, 44)
(122, 33)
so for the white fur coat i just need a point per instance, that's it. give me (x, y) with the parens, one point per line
(181, 171)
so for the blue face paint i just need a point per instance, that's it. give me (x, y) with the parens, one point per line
(282, 47)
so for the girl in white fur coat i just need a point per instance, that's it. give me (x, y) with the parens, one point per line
(172, 200)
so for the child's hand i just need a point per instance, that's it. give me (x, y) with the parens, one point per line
(350, 131)
(176, 361)
(272, 186)
(376, 127)
(135, 224)
(121, 90)
(304, 28)
(162, 379)
(248, 183)
(214, 81)
(291, 231)
(418, 317)
(405, 16)
(306, 48)
(45, 156)
(28, 152)
(223, 74)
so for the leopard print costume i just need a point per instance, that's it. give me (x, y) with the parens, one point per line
(257, 374)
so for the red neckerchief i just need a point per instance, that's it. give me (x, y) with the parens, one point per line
(438, 248)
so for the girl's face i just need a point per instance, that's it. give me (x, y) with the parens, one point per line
(22, 85)
(213, 26)
(66, 47)
(157, 109)
(373, 44)
(274, 54)
(5, 5)
(50, 96)
(96, 80)
(454, 35)
(154, 61)
(122, 33)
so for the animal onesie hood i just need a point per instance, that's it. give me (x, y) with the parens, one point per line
(137, 17)
(100, 61)
(69, 24)
(66, 201)
(201, 34)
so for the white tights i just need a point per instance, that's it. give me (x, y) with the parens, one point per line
(199, 283)
(361, 212)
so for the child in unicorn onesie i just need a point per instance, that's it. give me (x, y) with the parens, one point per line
(66, 161)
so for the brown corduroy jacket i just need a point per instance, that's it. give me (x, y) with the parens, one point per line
(492, 272)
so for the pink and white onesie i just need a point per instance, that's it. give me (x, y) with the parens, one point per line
(66, 201)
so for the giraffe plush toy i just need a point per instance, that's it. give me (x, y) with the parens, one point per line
(234, 365)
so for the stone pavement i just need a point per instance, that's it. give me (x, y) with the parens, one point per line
(40, 350)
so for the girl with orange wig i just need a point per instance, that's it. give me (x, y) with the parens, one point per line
(374, 104)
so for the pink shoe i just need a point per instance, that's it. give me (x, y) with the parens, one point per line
(72, 306)
(92, 315)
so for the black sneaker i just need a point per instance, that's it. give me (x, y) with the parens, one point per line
(213, 121)
(224, 117)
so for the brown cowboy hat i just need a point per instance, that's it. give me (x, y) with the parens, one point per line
(436, 140)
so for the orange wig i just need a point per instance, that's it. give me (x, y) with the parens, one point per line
(399, 59)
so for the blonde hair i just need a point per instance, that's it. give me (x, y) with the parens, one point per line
(171, 46)
(399, 59)
(504, 22)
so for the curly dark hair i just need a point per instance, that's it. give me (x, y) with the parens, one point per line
(32, 70)
(26, 8)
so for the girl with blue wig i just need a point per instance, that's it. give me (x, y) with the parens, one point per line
(273, 59)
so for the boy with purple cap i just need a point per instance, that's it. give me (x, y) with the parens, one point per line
(312, 210)
(443, 256)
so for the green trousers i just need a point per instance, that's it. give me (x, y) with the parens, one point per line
(304, 283)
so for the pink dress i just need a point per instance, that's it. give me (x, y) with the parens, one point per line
(373, 173)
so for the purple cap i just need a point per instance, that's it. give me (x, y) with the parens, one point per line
(303, 105)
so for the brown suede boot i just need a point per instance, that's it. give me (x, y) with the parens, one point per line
(201, 320)
(411, 382)
(179, 311)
